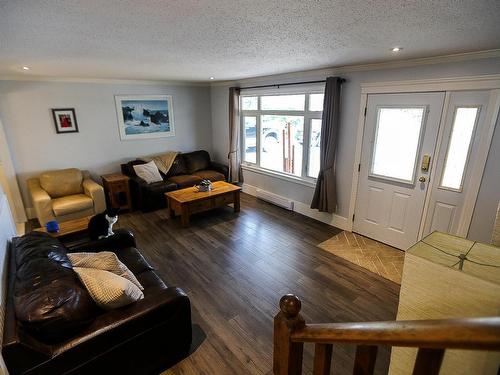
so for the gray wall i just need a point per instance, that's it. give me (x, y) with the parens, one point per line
(485, 211)
(347, 134)
(25, 109)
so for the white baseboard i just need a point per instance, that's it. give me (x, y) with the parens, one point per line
(304, 209)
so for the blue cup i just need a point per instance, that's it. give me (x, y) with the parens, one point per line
(52, 226)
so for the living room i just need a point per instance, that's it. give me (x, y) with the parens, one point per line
(249, 161)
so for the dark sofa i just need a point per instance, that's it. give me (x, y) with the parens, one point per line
(52, 326)
(187, 170)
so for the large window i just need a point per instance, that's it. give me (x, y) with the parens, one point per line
(282, 132)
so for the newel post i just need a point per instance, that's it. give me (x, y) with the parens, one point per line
(287, 356)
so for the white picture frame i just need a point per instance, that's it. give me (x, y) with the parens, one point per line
(145, 116)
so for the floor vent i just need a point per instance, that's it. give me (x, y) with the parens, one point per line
(274, 199)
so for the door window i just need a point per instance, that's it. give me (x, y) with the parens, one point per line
(396, 144)
(462, 133)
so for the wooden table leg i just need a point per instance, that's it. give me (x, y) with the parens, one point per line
(184, 215)
(171, 212)
(237, 201)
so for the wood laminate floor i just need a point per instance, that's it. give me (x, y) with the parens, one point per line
(235, 268)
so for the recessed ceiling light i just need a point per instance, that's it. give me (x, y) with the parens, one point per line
(396, 49)
(26, 68)
(212, 78)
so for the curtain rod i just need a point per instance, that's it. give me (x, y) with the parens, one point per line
(342, 80)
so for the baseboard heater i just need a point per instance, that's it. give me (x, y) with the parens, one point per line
(274, 199)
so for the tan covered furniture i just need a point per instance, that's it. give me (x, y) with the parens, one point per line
(65, 194)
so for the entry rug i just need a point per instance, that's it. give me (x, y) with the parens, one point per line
(384, 260)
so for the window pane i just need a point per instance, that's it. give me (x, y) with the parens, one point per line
(316, 102)
(458, 148)
(249, 103)
(283, 102)
(314, 143)
(396, 143)
(281, 140)
(250, 123)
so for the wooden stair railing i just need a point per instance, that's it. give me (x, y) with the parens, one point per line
(432, 337)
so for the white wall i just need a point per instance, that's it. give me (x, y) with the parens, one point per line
(347, 134)
(25, 108)
(7, 231)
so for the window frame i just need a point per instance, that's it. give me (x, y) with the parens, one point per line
(306, 114)
(448, 144)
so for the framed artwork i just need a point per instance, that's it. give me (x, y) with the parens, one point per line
(144, 116)
(65, 120)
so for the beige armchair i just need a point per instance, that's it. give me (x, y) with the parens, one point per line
(65, 194)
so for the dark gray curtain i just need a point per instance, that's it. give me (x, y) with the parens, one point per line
(325, 195)
(234, 156)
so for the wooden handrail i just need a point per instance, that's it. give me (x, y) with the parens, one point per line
(472, 333)
(431, 336)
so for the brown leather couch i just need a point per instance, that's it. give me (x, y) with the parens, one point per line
(187, 170)
(52, 326)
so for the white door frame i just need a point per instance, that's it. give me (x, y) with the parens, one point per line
(468, 83)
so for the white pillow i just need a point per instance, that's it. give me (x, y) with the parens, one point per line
(148, 172)
(103, 260)
(109, 291)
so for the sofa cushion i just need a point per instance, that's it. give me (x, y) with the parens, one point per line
(148, 172)
(197, 161)
(103, 260)
(178, 167)
(210, 175)
(62, 182)
(183, 181)
(49, 300)
(134, 260)
(128, 168)
(71, 203)
(109, 290)
(151, 282)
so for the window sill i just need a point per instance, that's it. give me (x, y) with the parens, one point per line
(282, 176)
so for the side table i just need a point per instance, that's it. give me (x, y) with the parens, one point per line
(116, 187)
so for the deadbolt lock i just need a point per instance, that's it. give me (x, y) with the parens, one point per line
(426, 161)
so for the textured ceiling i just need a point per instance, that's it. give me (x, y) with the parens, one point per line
(229, 39)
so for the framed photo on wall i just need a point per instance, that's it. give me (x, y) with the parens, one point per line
(145, 116)
(65, 120)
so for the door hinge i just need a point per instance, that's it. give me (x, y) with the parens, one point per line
(359, 167)
(365, 111)
(353, 216)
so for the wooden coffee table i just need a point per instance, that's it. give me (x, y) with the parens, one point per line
(69, 227)
(186, 202)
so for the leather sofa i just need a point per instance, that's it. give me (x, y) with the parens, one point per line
(52, 326)
(65, 194)
(188, 169)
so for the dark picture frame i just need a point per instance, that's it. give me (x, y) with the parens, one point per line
(65, 120)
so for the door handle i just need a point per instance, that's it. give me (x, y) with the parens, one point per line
(422, 179)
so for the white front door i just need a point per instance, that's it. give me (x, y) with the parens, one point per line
(463, 128)
(398, 142)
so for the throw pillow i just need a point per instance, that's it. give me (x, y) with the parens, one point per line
(109, 291)
(104, 260)
(148, 172)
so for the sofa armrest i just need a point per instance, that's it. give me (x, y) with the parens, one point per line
(221, 168)
(121, 239)
(96, 192)
(42, 203)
